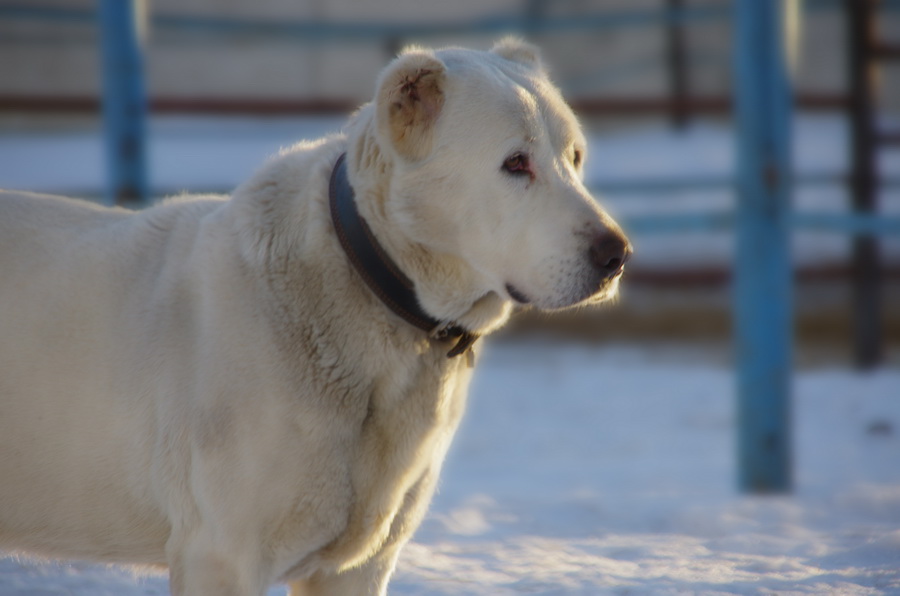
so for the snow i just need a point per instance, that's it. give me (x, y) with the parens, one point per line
(592, 470)
(584, 469)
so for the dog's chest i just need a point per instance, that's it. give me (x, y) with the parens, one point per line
(396, 459)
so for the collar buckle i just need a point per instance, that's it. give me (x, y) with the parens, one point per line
(445, 331)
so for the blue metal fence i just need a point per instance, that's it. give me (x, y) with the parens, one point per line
(762, 292)
(124, 101)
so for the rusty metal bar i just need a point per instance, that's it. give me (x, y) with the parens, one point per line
(868, 336)
(889, 138)
(883, 51)
(676, 57)
(601, 106)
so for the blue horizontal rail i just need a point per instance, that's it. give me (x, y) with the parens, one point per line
(664, 185)
(366, 31)
(30, 12)
(660, 185)
(671, 223)
(840, 223)
(322, 31)
(847, 223)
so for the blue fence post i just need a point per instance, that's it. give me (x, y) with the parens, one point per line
(124, 99)
(762, 290)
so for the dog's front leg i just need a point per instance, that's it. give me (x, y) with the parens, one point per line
(205, 566)
(369, 579)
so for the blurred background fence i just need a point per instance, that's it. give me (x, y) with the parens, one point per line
(653, 81)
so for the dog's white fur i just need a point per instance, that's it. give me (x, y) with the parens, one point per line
(207, 385)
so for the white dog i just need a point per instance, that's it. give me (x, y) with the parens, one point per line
(262, 388)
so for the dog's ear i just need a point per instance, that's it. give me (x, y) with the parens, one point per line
(516, 50)
(409, 101)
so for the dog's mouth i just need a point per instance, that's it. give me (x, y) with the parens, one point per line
(607, 291)
(517, 294)
(593, 293)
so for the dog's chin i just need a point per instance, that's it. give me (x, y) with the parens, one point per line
(518, 296)
(606, 291)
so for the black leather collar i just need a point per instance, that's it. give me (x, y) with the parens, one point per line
(377, 269)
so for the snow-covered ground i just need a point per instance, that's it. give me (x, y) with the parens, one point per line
(586, 470)
(609, 470)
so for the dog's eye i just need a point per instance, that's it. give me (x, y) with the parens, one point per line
(516, 163)
(576, 159)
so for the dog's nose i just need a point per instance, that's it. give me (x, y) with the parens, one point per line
(609, 252)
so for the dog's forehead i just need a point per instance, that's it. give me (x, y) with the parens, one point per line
(508, 90)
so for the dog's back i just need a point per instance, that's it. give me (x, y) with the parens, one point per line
(72, 438)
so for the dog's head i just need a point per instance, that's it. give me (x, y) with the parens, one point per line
(483, 161)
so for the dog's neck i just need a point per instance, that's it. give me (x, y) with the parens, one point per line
(386, 280)
(465, 300)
